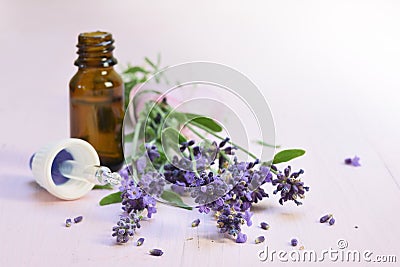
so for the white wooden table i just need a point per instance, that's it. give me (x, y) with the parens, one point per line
(329, 71)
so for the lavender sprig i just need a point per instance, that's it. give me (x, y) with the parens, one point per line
(289, 185)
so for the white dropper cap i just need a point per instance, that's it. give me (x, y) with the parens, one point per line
(69, 169)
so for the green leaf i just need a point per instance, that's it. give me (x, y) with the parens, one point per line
(287, 155)
(260, 142)
(111, 199)
(103, 187)
(206, 122)
(135, 69)
(174, 199)
(150, 63)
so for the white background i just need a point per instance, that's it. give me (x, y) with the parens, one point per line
(329, 69)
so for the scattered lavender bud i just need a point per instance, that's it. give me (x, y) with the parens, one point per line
(259, 239)
(140, 241)
(356, 226)
(293, 242)
(196, 223)
(68, 222)
(78, 219)
(156, 252)
(347, 161)
(332, 221)
(264, 225)
(354, 161)
(325, 218)
(241, 238)
(190, 143)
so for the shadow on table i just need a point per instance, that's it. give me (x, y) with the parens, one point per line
(23, 188)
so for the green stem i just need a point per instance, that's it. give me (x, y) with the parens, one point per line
(136, 138)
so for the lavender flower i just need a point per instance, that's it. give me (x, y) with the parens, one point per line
(229, 221)
(325, 218)
(247, 217)
(141, 164)
(196, 223)
(293, 242)
(156, 252)
(140, 241)
(332, 221)
(125, 227)
(264, 225)
(68, 222)
(152, 152)
(241, 238)
(353, 161)
(207, 188)
(290, 186)
(152, 183)
(134, 201)
(259, 239)
(78, 219)
(204, 209)
(179, 188)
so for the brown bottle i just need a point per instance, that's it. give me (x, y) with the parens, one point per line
(96, 98)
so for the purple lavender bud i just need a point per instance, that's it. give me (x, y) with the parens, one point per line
(241, 238)
(190, 143)
(347, 161)
(121, 231)
(247, 216)
(286, 171)
(223, 143)
(78, 219)
(228, 150)
(196, 223)
(264, 225)
(140, 241)
(332, 221)
(325, 218)
(293, 242)
(156, 252)
(355, 161)
(259, 239)
(196, 151)
(68, 222)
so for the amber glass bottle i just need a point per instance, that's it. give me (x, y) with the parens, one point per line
(96, 98)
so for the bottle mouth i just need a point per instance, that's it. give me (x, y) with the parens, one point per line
(96, 34)
(98, 38)
(95, 49)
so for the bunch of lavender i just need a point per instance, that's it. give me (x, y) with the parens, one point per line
(232, 189)
(209, 173)
(137, 197)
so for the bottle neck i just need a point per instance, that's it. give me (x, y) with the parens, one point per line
(95, 50)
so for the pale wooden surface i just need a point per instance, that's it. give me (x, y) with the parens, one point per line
(329, 71)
